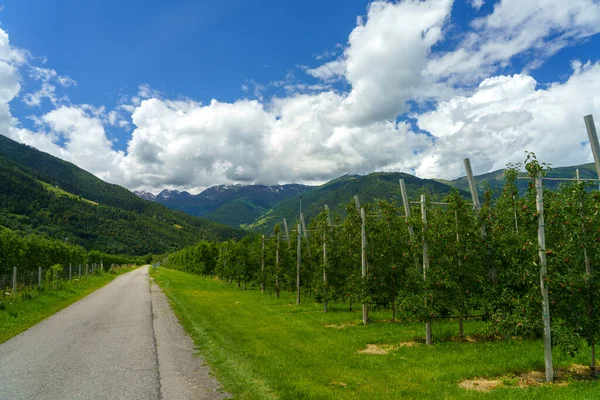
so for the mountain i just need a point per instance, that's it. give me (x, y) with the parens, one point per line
(233, 205)
(44, 195)
(142, 194)
(339, 192)
(495, 180)
(168, 195)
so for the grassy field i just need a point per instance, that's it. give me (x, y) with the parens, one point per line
(261, 348)
(27, 309)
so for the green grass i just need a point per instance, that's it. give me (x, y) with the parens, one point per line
(59, 192)
(34, 305)
(260, 348)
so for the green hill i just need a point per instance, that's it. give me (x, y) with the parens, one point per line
(44, 195)
(495, 179)
(337, 193)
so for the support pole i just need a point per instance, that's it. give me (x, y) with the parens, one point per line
(325, 272)
(298, 264)
(287, 232)
(588, 271)
(39, 276)
(14, 280)
(305, 234)
(406, 203)
(428, 335)
(277, 267)
(328, 215)
(539, 203)
(593, 137)
(363, 236)
(70, 271)
(262, 266)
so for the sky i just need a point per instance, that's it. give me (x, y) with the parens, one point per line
(189, 94)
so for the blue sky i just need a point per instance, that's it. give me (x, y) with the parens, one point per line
(198, 49)
(305, 91)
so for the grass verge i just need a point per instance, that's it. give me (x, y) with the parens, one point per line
(34, 305)
(260, 347)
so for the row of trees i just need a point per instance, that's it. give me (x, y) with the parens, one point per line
(444, 261)
(30, 252)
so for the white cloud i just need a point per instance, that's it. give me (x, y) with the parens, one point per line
(314, 133)
(476, 4)
(507, 115)
(35, 99)
(533, 28)
(65, 81)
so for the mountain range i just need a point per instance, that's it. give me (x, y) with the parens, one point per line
(233, 205)
(258, 208)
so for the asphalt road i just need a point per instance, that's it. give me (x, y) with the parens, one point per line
(120, 342)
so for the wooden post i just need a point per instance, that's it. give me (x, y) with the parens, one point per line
(325, 258)
(328, 215)
(298, 263)
(14, 280)
(70, 272)
(277, 267)
(588, 271)
(39, 276)
(287, 233)
(593, 137)
(474, 194)
(406, 203)
(305, 234)
(515, 214)
(324, 272)
(539, 203)
(588, 268)
(428, 335)
(262, 266)
(363, 236)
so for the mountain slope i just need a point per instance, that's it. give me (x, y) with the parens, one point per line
(337, 193)
(495, 179)
(233, 205)
(44, 195)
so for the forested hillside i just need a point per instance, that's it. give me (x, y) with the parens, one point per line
(495, 180)
(46, 196)
(337, 193)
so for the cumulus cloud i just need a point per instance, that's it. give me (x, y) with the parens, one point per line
(507, 115)
(313, 133)
(536, 28)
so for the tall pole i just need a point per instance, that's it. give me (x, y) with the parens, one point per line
(277, 267)
(406, 203)
(262, 266)
(287, 232)
(305, 234)
(328, 215)
(539, 203)
(593, 137)
(588, 271)
(324, 272)
(298, 263)
(363, 237)
(428, 335)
